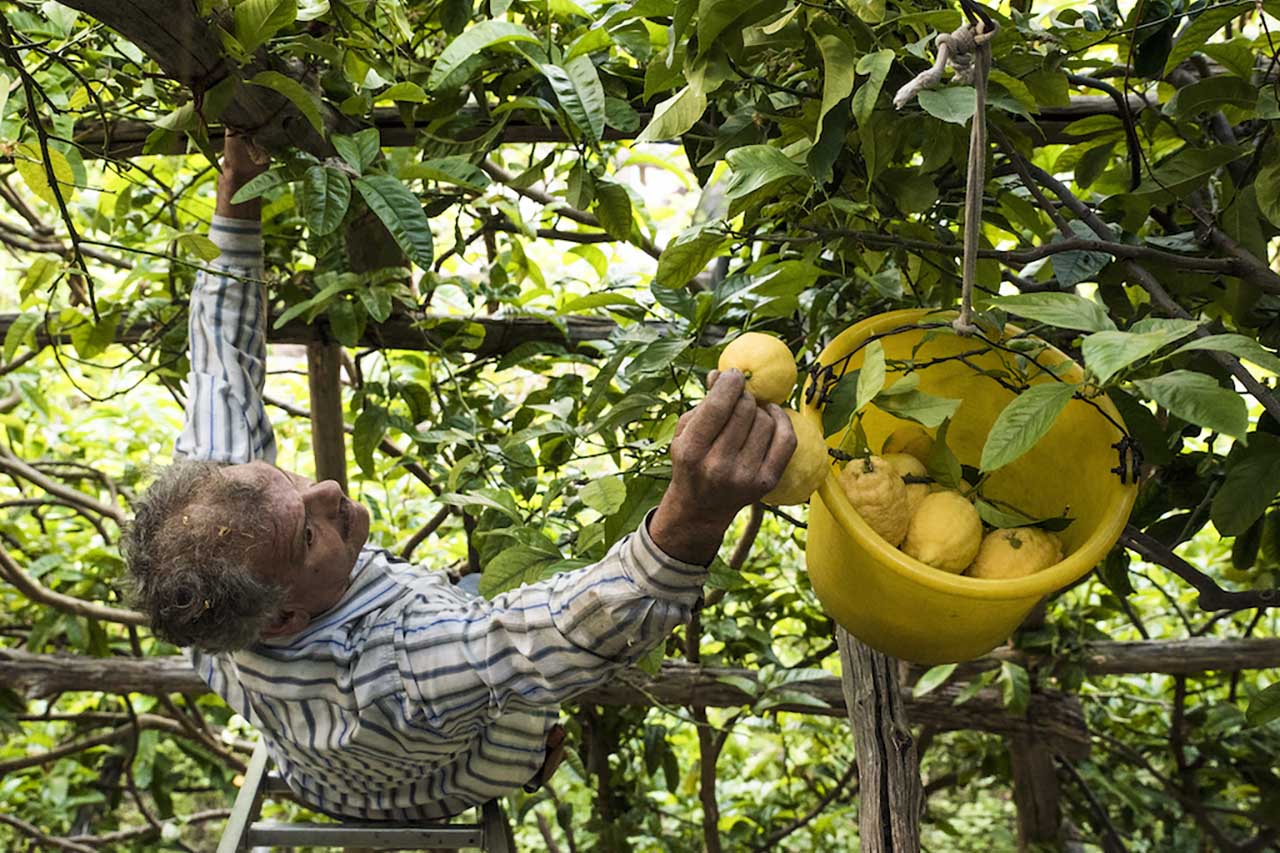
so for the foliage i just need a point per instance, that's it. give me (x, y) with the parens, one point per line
(775, 186)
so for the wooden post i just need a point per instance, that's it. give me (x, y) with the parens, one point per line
(889, 790)
(328, 440)
(1035, 779)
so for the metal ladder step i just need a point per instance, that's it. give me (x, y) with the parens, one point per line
(244, 831)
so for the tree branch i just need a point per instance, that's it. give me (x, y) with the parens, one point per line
(1212, 596)
(1159, 296)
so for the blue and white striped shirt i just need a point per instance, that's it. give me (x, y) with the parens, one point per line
(409, 699)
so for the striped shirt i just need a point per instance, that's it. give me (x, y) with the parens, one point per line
(408, 699)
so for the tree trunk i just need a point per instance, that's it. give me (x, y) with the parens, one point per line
(889, 790)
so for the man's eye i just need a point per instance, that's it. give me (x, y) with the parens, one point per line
(310, 534)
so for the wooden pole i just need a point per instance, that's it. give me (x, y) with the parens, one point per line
(889, 789)
(328, 440)
(1035, 779)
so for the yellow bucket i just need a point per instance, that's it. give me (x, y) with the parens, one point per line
(913, 611)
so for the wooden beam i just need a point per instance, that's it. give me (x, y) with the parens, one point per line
(125, 138)
(1056, 718)
(484, 336)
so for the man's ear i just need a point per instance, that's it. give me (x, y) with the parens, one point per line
(286, 622)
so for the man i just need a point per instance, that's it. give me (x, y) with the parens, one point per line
(382, 691)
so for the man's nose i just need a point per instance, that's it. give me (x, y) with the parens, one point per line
(325, 496)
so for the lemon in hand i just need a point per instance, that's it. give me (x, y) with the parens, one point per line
(808, 466)
(878, 494)
(945, 532)
(1014, 553)
(769, 366)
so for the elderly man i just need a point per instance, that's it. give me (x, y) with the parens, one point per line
(382, 691)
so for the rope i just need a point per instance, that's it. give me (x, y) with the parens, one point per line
(968, 50)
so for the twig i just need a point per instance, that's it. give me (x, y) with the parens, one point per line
(30, 87)
(13, 465)
(423, 532)
(1111, 840)
(850, 775)
(31, 831)
(38, 592)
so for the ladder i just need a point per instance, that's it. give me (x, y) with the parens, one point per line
(245, 832)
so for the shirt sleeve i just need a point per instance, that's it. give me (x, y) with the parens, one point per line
(225, 417)
(543, 643)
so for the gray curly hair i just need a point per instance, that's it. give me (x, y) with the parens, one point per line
(192, 580)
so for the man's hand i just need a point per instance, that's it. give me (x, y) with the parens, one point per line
(242, 161)
(728, 453)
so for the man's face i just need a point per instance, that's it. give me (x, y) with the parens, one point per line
(308, 541)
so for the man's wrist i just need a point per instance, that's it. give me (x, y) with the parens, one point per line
(230, 183)
(685, 532)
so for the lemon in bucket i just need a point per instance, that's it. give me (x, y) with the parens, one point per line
(903, 606)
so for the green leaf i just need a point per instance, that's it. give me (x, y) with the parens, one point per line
(1023, 422)
(756, 166)
(954, 104)
(933, 678)
(1210, 95)
(29, 161)
(360, 150)
(91, 339)
(876, 67)
(517, 565)
(1015, 688)
(401, 213)
(1195, 34)
(687, 255)
(199, 245)
(605, 495)
(21, 331)
(942, 464)
(257, 187)
(870, 375)
(256, 21)
(1198, 399)
(837, 74)
(580, 93)
(1071, 268)
(1063, 310)
(405, 91)
(1106, 353)
(1187, 170)
(1267, 185)
(613, 209)
(675, 116)
(377, 303)
(483, 35)
(919, 406)
(328, 192)
(366, 434)
(1241, 347)
(1253, 478)
(1264, 707)
(344, 323)
(301, 98)
(839, 406)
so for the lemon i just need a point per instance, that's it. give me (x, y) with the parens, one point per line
(878, 494)
(944, 532)
(911, 439)
(808, 466)
(907, 465)
(1015, 552)
(769, 366)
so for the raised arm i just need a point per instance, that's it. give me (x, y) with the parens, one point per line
(225, 417)
(544, 643)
